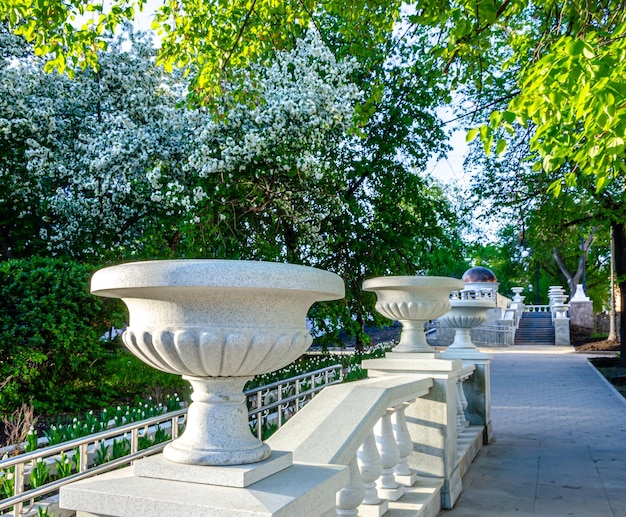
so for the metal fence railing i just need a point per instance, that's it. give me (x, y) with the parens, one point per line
(484, 335)
(32, 476)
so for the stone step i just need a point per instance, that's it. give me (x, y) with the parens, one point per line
(535, 324)
(526, 341)
(421, 500)
(535, 331)
(535, 335)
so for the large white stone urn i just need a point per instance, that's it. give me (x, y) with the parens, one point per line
(218, 323)
(468, 310)
(412, 300)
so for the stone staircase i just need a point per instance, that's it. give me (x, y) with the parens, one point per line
(535, 328)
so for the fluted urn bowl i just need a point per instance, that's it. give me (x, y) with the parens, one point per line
(412, 300)
(468, 310)
(218, 323)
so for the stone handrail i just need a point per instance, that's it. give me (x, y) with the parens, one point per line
(346, 424)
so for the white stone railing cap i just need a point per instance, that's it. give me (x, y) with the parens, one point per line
(332, 426)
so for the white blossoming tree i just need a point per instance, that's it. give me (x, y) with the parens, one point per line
(260, 173)
(113, 165)
(77, 154)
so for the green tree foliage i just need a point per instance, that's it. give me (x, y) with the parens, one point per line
(566, 56)
(296, 171)
(565, 63)
(50, 338)
(562, 235)
(205, 39)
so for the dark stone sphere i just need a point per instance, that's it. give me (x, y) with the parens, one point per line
(479, 274)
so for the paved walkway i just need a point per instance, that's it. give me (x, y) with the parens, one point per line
(560, 441)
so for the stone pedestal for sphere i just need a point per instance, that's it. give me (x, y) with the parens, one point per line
(469, 310)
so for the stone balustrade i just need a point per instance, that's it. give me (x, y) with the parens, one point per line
(364, 428)
(397, 443)
(351, 450)
(537, 308)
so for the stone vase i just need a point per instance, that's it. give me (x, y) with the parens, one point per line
(517, 294)
(468, 310)
(560, 310)
(412, 300)
(217, 323)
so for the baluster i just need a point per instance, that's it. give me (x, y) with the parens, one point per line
(279, 407)
(83, 457)
(350, 497)
(298, 402)
(388, 488)
(461, 406)
(18, 486)
(403, 473)
(259, 415)
(134, 440)
(175, 430)
(371, 467)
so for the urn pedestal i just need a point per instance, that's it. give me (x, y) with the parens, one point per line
(469, 310)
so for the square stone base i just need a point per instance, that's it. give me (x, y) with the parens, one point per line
(299, 490)
(238, 476)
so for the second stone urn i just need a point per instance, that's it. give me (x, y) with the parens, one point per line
(469, 310)
(218, 323)
(412, 300)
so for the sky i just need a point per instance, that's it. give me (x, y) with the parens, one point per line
(450, 169)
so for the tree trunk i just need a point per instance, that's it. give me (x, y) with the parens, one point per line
(619, 236)
(358, 342)
(574, 280)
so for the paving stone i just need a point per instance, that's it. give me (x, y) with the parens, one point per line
(560, 441)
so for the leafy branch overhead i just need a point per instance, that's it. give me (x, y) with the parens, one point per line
(567, 56)
(568, 60)
(205, 39)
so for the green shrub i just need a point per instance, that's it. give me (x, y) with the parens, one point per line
(50, 334)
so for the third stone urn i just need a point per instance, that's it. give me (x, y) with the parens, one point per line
(217, 323)
(469, 310)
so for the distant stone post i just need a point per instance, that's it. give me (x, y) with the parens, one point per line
(581, 309)
(561, 325)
